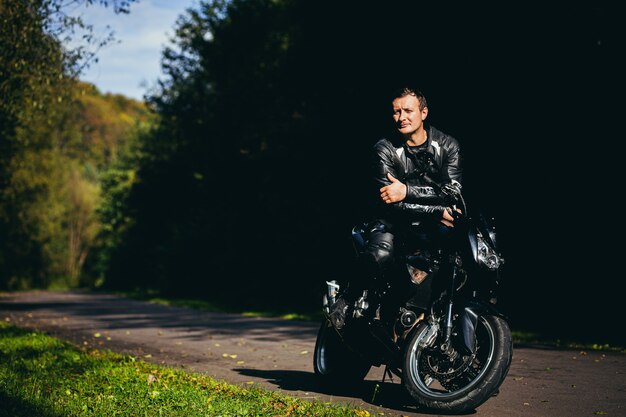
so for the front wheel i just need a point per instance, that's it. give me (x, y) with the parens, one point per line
(333, 362)
(457, 383)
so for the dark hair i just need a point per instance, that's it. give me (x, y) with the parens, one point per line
(410, 91)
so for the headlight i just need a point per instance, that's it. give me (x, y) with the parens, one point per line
(487, 256)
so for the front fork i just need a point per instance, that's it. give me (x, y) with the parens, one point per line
(446, 345)
(466, 321)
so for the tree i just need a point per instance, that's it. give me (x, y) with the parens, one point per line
(31, 79)
(43, 192)
(212, 210)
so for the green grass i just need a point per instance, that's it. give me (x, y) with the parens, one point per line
(45, 377)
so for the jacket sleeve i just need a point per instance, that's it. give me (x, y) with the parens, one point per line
(425, 202)
(383, 162)
(452, 173)
(453, 170)
(422, 194)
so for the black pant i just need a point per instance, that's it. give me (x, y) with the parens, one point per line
(378, 259)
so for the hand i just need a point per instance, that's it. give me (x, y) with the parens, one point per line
(448, 216)
(394, 192)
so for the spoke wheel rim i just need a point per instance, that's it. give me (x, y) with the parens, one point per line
(419, 364)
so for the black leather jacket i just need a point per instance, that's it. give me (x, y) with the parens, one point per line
(422, 170)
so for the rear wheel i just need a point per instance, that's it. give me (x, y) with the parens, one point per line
(457, 383)
(333, 362)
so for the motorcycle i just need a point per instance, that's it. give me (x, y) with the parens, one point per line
(451, 350)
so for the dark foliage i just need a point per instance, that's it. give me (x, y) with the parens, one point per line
(250, 185)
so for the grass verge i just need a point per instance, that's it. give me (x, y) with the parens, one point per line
(156, 298)
(46, 377)
(530, 338)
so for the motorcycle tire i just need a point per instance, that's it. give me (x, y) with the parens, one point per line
(333, 362)
(428, 383)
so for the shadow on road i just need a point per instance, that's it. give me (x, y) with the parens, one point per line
(114, 312)
(376, 393)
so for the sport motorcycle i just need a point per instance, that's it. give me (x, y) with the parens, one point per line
(432, 321)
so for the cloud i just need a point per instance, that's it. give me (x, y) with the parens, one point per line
(125, 67)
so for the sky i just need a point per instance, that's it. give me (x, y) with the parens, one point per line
(131, 65)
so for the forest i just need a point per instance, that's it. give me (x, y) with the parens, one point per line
(239, 178)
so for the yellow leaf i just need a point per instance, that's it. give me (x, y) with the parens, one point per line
(97, 335)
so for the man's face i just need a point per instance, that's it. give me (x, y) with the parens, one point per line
(407, 115)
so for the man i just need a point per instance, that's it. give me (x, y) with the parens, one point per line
(416, 176)
(425, 159)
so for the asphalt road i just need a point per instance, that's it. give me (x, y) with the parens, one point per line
(277, 354)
